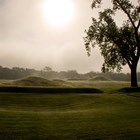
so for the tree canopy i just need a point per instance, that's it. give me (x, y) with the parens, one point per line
(118, 45)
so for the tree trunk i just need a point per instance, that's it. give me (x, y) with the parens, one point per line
(134, 82)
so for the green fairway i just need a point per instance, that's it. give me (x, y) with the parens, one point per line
(34, 116)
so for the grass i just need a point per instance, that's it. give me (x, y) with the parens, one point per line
(38, 116)
(99, 78)
(69, 116)
(34, 81)
(106, 86)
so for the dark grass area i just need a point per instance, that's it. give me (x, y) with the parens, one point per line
(49, 90)
(129, 89)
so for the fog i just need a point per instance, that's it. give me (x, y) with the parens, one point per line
(26, 39)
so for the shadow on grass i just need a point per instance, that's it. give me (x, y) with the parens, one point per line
(49, 90)
(129, 90)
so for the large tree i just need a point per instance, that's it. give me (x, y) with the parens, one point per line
(119, 45)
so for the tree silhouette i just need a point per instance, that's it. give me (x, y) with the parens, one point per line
(119, 45)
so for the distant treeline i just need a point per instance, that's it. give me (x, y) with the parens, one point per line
(48, 73)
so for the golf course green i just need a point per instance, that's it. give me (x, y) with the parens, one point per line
(111, 115)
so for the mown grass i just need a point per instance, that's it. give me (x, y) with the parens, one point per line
(34, 116)
(105, 86)
(38, 116)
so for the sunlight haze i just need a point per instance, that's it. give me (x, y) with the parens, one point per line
(39, 33)
(58, 13)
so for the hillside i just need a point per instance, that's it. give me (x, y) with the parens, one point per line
(36, 81)
(99, 78)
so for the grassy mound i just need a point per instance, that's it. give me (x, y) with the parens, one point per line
(41, 85)
(99, 78)
(36, 81)
(32, 81)
(59, 82)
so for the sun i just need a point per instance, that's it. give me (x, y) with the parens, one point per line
(58, 13)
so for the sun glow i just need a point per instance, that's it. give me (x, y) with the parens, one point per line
(58, 13)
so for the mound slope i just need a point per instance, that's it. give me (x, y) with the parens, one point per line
(100, 78)
(37, 81)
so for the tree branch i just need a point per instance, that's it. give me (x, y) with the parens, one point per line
(125, 11)
(128, 62)
(138, 24)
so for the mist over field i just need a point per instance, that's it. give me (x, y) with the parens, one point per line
(50, 89)
(27, 40)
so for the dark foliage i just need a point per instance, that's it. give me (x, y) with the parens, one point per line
(119, 45)
(18, 73)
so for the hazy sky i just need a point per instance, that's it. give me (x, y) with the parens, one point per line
(28, 40)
